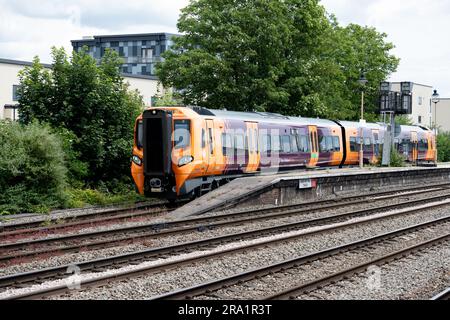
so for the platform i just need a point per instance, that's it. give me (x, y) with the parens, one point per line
(305, 186)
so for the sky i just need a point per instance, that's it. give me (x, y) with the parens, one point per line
(418, 28)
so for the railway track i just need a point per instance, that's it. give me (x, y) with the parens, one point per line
(71, 243)
(294, 265)
(443, 295)
(310, 287)
(56, 224)
(40, 276)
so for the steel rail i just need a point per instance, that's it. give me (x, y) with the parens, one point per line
(345, 274)
(333, 202)
(16, 227)
(209, 287)
(443, 295)
(59, 272)
(200, 228)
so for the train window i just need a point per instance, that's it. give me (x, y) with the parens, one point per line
(423, 145)
(303, 143)
(275, 144)
(322, 144)
(249, 141)
(203, 138)
(313, 143)
(255, 139)
(329, 144)
(368, 145)
(211, 142)
(294, 141)
(354, 146)
(182, 133)
(224, 142)
(227, 144)
(336, 144)
(239, 144)
(265, 143)
(286, 144)
(140, 134)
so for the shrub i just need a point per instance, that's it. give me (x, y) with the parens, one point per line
(90, 106)
(443, 146)
(397, 160)
(32, 169)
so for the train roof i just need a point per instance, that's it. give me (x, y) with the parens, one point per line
(262, 117)
(278, 118)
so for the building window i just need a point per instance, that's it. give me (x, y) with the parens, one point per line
(420, 101)
(420, 119)
(15, 96)
(10, 112)
(147, 54)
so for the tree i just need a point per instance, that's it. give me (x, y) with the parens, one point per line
(277, 56)
(167, 100)
(242, 55)
(91, 101)
(403, 120)
(356, 50)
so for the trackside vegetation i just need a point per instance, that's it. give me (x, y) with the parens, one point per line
(72, 144)
(33, 174)
(443, 145)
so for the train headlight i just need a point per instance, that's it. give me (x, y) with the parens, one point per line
(137, 160)
(185, 160)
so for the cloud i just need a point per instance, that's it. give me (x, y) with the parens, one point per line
(32, 27)
(417, 28)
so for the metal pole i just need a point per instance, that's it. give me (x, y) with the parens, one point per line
(435, 130)
(361, 151)
(435, 117)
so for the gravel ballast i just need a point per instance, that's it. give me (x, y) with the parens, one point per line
(144, 287)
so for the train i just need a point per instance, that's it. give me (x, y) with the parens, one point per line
(185, 152)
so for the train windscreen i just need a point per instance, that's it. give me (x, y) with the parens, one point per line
(154, 151)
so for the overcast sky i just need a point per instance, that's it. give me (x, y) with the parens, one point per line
(418, 28)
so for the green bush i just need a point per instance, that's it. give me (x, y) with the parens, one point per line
(397, 160)
(90, 106)
(443, 147)
(32, 169)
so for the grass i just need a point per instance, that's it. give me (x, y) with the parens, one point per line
(80, 198)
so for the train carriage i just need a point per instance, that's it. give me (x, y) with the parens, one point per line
(183, 152)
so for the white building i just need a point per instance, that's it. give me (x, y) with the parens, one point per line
(9, 82)
(421, 103)
(442, 114)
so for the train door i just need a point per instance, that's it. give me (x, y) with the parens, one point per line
(210, 152)
(314, 146)
(414, 146)
(252, 154)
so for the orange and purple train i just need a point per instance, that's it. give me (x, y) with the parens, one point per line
(182, 152)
